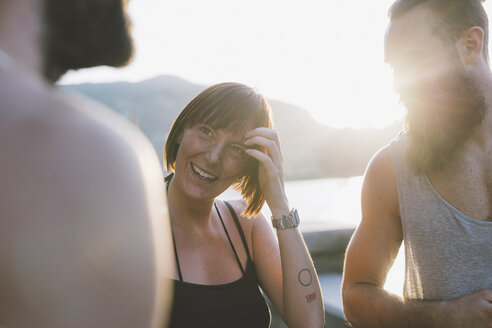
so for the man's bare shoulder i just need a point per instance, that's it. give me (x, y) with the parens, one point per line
(381, 163)
(64, 127)
(65, 150)
(379, 189)
(78, 182)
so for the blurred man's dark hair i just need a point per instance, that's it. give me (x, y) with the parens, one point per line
(81, 34)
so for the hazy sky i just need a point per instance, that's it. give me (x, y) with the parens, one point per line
(323, 55)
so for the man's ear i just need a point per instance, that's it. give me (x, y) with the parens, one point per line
(470, 45)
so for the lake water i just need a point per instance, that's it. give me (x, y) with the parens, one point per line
(332, 203)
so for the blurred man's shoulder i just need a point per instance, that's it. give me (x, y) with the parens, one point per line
(40, 114)
(68, 132)
(100, 121)
(77, 183)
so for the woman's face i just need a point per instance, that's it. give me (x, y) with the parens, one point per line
(209, 161)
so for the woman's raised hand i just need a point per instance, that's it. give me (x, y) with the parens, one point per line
(270, 171)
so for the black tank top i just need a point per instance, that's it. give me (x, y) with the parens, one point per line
(235, 304)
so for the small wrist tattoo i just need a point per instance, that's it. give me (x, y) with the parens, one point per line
(310, 297)
(305, 277)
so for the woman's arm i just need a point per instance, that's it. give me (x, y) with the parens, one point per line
(284, 268)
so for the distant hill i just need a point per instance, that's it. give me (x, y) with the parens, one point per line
(311, 149)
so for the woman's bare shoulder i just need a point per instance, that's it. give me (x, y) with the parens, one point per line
(239, 205)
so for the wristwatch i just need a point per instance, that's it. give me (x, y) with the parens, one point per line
(286, 221)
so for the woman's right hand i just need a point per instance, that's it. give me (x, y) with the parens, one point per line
(270, 170)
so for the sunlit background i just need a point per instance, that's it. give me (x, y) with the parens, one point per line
(325, 56)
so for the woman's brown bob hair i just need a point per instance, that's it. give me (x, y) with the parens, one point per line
(233, 107)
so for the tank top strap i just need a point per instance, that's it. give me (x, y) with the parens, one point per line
(167, 181)
(176, 256)
(229, 238)
(238, 225)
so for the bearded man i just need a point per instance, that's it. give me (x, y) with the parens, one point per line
(432, 186)
(84, 231)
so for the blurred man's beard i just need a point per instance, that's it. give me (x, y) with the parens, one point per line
(440, 117)
(84, 33)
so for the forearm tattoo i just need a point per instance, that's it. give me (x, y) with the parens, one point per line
(310, 297)
(305, 277)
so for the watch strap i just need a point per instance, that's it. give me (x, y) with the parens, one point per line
(286, 221)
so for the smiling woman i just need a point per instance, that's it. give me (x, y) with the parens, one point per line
(225, 250)
(223, 112)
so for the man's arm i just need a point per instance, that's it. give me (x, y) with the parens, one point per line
(370, 255)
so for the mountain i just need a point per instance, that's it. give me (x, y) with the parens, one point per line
(310, 149)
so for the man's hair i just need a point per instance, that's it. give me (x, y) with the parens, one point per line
(454, 17)
(84, 33)
(236, 108)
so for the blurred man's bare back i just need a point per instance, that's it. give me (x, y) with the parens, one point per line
(83, 220)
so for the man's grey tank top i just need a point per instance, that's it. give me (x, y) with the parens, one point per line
(447, 253)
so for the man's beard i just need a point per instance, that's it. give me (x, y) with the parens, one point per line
(441, 117)
(84, 33)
